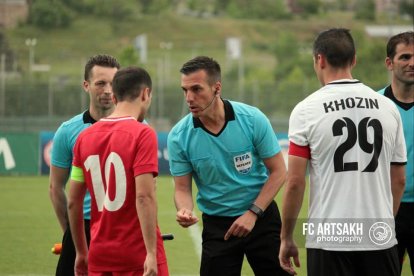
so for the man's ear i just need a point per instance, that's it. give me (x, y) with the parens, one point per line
(388, 63)
(114, 99)
(321, 61)
(217, 91)
(354, 61)
(85, 86)
(145, 94)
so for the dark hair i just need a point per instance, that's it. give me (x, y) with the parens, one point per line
(99, 60)
(406, 38)
(129, 81)
(208, 64)
(337, 45)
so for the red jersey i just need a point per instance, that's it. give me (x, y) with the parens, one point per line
(111, 153)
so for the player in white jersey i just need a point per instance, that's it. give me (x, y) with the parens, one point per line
(353, 140)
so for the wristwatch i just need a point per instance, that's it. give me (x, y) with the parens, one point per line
(255, 209)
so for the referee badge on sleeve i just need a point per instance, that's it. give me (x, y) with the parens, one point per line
(243, 163)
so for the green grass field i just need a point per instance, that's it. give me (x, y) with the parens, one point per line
(28, 230)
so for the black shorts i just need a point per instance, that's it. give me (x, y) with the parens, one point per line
(66, 263)
(261, 246)
(404, 229)
(356, 263)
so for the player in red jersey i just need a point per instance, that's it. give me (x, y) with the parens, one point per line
(116, 160)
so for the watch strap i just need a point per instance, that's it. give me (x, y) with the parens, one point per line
(255, 209)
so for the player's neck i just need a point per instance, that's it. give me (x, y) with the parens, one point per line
(215, 119)
(126, 109)
(98, 114)
(403, 92)
(338, 74)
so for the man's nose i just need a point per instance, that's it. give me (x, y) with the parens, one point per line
(108, 88)
(188, 97)
(411, 62)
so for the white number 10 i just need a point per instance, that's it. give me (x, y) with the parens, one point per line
(93, 165)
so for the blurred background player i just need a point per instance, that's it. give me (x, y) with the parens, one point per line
(232, 152)
(116, 159)
(400, 62)
(353, 140)
(98, 75)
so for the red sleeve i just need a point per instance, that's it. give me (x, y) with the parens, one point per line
(146, 160)
(300, 151)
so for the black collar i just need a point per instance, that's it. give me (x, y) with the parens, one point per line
(228, 116)
(388, 93)
(87, 118)
(344, 82)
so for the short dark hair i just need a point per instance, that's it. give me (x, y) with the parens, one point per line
(100, 60)
(405, 37)
(208, 64)
(129, 81)
(337, 45)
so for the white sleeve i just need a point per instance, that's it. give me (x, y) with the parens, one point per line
(400, 150)
(297, 126)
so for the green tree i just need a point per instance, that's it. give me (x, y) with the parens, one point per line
(370, 67)
(81, 6)
(407, 8)
(268, 9)
(49, 14)
(287, 53)
(7, 51)
(119, 10)
(365, 10)
(155, 6)
(309, 6)
(128, 57)
(291, 90)
(220, 6)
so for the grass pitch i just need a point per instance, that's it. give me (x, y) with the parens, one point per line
(29, 228)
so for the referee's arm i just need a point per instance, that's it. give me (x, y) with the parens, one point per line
(277, 176)
(183, 198)
(57, 181)
(397, 184)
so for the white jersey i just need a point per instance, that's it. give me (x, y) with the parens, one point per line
(354, 134)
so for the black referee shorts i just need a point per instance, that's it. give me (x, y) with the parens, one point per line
(66, 263)
(261, 246)
(353, 263)
(404, 229)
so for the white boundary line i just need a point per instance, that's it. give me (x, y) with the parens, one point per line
(195, 233)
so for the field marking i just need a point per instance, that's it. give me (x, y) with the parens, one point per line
(195, 233)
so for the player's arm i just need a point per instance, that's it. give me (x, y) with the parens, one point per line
(146, 206)
(292, 203)
(183, 198)
(397, 185)
(75, 210)
(57, 181)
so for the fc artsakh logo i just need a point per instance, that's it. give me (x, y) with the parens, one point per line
(243, 163)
